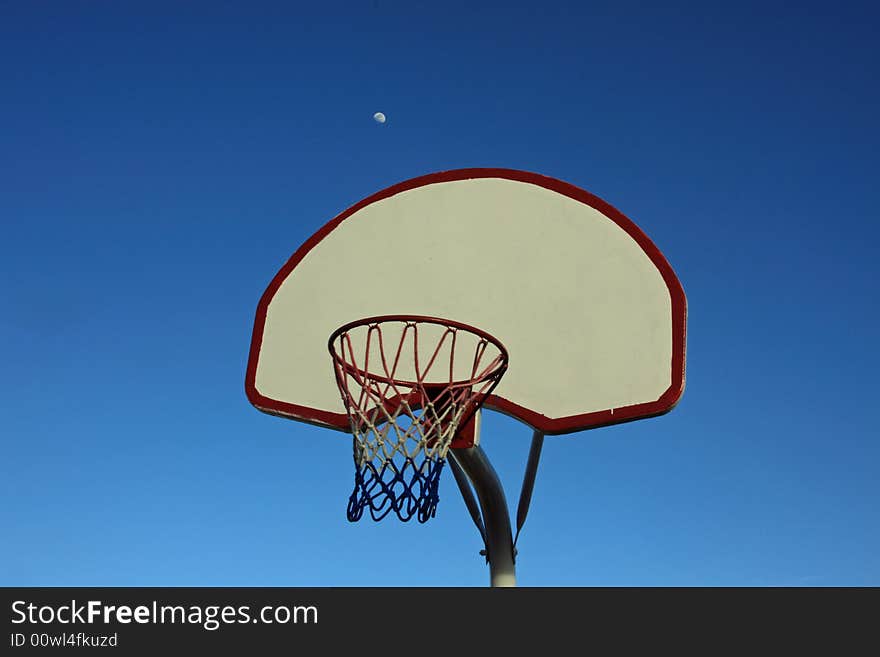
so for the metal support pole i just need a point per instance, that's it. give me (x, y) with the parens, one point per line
(496, 517)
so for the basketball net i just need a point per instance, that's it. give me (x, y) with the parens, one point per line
(411, 387)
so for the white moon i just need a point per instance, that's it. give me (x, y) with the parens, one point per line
(378, 117)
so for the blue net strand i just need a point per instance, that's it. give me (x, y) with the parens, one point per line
(407, 491)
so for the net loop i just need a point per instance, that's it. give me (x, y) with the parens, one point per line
(411, 386)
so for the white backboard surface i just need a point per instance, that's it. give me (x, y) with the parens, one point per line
(591, 313)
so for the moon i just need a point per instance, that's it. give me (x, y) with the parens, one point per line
(378, 117)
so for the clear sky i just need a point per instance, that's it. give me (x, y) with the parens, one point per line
(160, 161)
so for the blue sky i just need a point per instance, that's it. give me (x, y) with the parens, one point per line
(160, 162)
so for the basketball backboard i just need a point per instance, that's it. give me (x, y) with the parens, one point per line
(590, 311)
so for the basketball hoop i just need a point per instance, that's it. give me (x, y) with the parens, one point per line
(411, 387)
